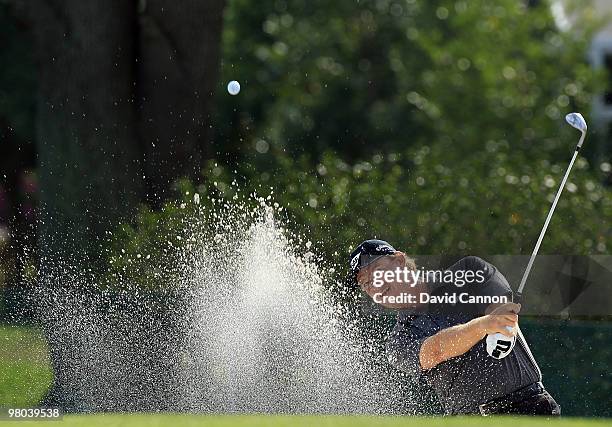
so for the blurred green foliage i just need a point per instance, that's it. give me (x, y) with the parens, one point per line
(157, 250)
(382, 75)
(492, 204)
(145, 251)
(436, 125)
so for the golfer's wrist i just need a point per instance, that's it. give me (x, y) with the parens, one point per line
(477, 327)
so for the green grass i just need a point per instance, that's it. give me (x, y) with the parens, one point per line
(25, 372)
(149, 420)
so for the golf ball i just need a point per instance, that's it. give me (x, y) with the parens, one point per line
(233, 87)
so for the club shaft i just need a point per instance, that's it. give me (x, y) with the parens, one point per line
(550, 214)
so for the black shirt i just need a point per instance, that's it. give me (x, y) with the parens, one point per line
(462, 383)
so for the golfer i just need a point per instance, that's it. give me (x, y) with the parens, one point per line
(445, 343)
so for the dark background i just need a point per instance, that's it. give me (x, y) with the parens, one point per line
(435, 124)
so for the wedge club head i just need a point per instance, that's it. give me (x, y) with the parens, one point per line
(577, 121)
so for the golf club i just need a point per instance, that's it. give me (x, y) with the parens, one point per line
(499, 345)
(577, 121)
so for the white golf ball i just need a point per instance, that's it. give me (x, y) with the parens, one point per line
(233, 87)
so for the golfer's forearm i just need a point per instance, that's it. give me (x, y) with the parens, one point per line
(449, 343)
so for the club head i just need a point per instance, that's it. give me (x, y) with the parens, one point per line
(577, 121)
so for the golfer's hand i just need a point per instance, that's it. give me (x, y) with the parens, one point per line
(504, 320)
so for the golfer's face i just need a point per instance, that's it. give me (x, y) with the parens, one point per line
(381, 265)
(390, 262)
(388, 288)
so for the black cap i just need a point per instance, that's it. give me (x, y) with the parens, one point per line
(369, 251)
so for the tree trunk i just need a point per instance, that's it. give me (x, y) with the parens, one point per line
(88, 156)
(116, 89)
(179, 48)
(89, 159)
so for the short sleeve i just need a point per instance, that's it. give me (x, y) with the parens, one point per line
(495, 283)
(403, 345)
